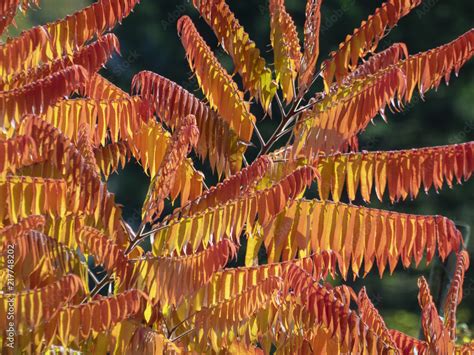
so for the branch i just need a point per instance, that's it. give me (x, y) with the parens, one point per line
(106, 280)
(316, 76)
(280, 106)
(259, 135)
(285, 122)
(182, 335)
(244, 159)
(273, 138)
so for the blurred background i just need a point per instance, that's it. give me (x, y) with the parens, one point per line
(149, 42)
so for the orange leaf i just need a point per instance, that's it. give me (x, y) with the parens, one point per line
(454, 296)
(36, 97)
(311, 43)
(184, 138)
(91, 57)
(257, 78)
(219, 88)
(217, 141)
(401, 172)
(54, 40)
(365, 39)
(359, 233)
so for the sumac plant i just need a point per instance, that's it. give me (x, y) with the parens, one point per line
(169, 286)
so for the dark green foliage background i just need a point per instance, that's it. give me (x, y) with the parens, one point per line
(149, 42)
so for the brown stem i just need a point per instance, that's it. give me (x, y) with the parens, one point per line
(274, 137)
(287, 118)
(107, 279)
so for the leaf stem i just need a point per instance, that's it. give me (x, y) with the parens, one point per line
(287, 118)
(259, 135)
(107, 279)
(280, 106)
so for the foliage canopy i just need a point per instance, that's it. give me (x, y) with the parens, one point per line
(66, 129)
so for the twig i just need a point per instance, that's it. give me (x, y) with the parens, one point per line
(282, 133)
(244, 159)
(107, 278)
(290, 121)
(316, 76)
(181, 323)
(273, 138)
(280, 106)
(140, 237)
(285, 122)
(130, 233)
(290, 138)
(305, 107)
(294, 89)
(259, 135)
(91, 274)
(182, 335)
(134, 244)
